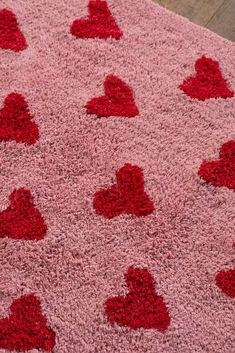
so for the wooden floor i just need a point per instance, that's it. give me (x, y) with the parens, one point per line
(217, 15)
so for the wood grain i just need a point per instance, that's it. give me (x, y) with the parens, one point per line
(217, 15)
(223, 22)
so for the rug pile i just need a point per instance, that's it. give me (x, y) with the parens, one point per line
(117, 197)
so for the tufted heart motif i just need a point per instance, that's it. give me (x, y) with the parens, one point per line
(118, 100)
(16, 122)
(10, 35)
(126, 196)
(221, 172)
(208, 82)
(225, 280)
(21, 220)
(100, 23)
(141, 307)
(26, 327)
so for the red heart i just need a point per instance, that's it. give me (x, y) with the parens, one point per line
(25, 328)
(10, 35)
(141, 307)
(16, 122)
(208, 83)
(118, 100)
(99, 24)
(21, 220)
(222, 171)
(127, 196)
(225, 280)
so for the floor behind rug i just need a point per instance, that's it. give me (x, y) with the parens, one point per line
(216, 15)
(117, 180)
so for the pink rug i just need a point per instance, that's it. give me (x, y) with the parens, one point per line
(117, 153)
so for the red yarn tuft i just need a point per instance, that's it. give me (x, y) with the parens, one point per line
(16, 122)
(21, 220)
(10, 35)
(225, 280)
(26, 328)
(100, 23)
(127, 196)
(141, 307)
(221, 172)
(118, 100)
(208, 83)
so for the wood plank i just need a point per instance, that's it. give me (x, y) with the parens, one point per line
(198, 11)
(168, 4)
(223, 22)
(205, 10)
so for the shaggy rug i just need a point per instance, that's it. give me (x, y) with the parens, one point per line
(117, 180)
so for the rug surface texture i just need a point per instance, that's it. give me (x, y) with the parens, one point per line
(117, 180)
